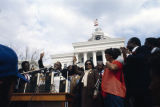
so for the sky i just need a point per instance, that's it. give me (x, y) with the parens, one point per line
(53, 25)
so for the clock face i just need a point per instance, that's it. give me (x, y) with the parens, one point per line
(98, 37)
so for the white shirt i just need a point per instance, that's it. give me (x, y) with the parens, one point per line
(85, 77)
(27, 76)
(102, 72)
(154, 50)
(120, 59)
(134, 49)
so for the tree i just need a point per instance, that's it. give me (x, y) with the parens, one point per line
(27, 54)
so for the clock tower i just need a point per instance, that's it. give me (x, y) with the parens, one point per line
(98, 34)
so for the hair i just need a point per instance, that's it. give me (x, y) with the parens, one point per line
(91, 64)
(158, 39)
(114, 52)
(69, 67)
(23, 64)
(117, 51)
(100, 63)
(59, 65)
(135, 41)
(151, 42)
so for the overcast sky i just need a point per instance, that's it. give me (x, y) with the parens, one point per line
(53, 25)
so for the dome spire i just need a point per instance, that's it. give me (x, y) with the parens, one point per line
(96, 22)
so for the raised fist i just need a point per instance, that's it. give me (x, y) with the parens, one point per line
(41, 55)
(74, 59)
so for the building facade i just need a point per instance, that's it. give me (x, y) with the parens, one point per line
(92, 49)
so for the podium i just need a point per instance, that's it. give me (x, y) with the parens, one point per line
(43, 99)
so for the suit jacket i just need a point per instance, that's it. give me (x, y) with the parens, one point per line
(136, 71)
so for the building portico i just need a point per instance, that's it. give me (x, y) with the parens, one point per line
(94, 52)
(93, 49)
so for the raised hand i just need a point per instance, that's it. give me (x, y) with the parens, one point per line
(74, 59)
(41, 55)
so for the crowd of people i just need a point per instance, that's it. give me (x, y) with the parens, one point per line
(129, 78)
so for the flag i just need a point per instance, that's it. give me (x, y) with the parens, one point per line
(96, 22)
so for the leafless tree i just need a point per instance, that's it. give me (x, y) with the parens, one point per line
(29, 54)
(25, 53)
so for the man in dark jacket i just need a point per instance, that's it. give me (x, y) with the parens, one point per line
(137, 74)
(21, 84)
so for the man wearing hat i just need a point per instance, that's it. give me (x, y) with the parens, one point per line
(8, 74)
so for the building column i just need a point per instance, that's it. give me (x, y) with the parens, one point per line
(84, 57)
(103, 57)
(76, 55)
(94, 58)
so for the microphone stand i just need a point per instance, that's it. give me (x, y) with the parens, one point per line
(52, 88)
(66, 90)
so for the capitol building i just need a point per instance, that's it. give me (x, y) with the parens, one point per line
(92, 49)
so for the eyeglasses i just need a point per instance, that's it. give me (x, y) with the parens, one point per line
(88, 63)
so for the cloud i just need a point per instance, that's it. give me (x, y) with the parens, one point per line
(54, 25)
(144, 24)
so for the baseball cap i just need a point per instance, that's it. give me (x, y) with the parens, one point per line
(9, 63)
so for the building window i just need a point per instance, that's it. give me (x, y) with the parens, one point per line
(99, 58)
(82, 60)
(91, 58)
